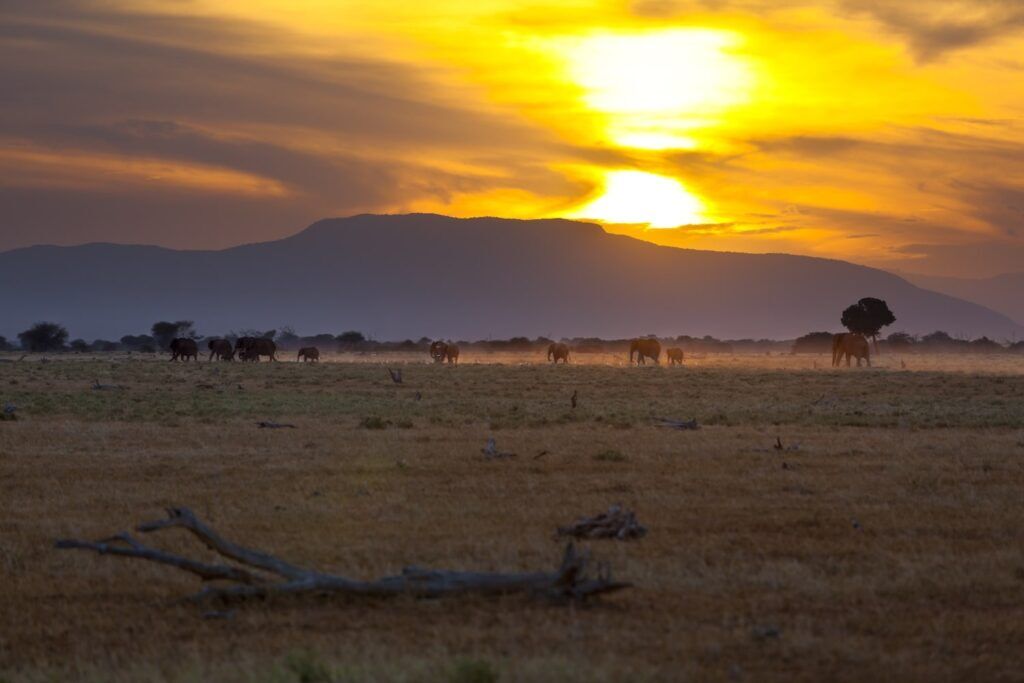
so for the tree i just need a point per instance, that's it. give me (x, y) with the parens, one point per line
(79, 345)
(165, 332)
(136, 342)
(986, 345)
(351, 337)
(900, 341)
(814, 342)
(868, 316)
(43, 337)
(5, 345)
(103, 345)
(287, 339)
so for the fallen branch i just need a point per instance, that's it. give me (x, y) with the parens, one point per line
(266, 424)
(678, 424)
(616, 523)
(568, 582)
(104, 387)
(396, 375)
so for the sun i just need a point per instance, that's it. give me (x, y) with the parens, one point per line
(656, 88)
(639, 197)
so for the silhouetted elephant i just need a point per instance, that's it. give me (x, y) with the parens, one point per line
(650, 348)
(184, 349)
(558, 351)
(308, 354)
(674, 355)
(220, 348)
(451, 353)
(438, 350)
(251, 348)
(849, 344)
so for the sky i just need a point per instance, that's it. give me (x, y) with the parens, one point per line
(884, 132)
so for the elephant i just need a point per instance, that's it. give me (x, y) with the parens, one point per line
(438, 350)
(558, 351)
(649, 348)
(251, 348)
(451, 354)
(184, 348)
(308, 354)
(674, 355)
(850, 344)
(221, 348)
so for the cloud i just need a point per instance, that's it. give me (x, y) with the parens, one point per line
(180, 101)
(934, 28)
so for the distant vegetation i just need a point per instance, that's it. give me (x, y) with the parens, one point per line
(49, 337)
(43, 337)
(867, 317)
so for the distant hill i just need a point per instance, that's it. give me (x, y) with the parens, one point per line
(396, 277)
(1003, 293)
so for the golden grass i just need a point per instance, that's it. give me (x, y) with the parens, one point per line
(750, 570)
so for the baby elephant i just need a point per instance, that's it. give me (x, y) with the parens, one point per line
(675, 356)
(309, 354)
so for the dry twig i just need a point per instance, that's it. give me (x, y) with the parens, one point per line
(267, 424)
(678, 424)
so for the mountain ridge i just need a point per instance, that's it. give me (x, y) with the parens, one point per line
(410, 275)
(1003, 293)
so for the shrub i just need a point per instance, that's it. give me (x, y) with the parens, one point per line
(43, 337)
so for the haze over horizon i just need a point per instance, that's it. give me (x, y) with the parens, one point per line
(881, 132)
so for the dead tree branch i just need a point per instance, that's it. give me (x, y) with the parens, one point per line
(615, 523)
(569, 582)
(678, 424)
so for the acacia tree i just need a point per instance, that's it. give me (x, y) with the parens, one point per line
(165, 332)
(868, 316)
(43, 337)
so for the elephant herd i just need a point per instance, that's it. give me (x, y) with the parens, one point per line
(253, 348)
(244, 349)
(651, 348)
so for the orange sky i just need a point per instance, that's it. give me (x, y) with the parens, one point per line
(886, 132)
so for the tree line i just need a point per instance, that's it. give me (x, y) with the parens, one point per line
(867, 317)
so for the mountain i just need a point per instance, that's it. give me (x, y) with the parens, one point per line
(1003, 293)
(397, 277)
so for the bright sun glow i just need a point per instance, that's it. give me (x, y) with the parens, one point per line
(656, 88)
(638, 197)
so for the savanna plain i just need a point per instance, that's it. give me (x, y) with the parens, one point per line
(821, 524)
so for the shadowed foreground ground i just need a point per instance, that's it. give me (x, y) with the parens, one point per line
(885, 541)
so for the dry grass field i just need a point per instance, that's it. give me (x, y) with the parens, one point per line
(885, 541)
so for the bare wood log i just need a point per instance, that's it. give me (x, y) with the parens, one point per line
(104, 387)
(569, 582)
(179, 517)
(678, 424)
(132, 548)
(617, 522)
(396, 375)
(267, 424)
